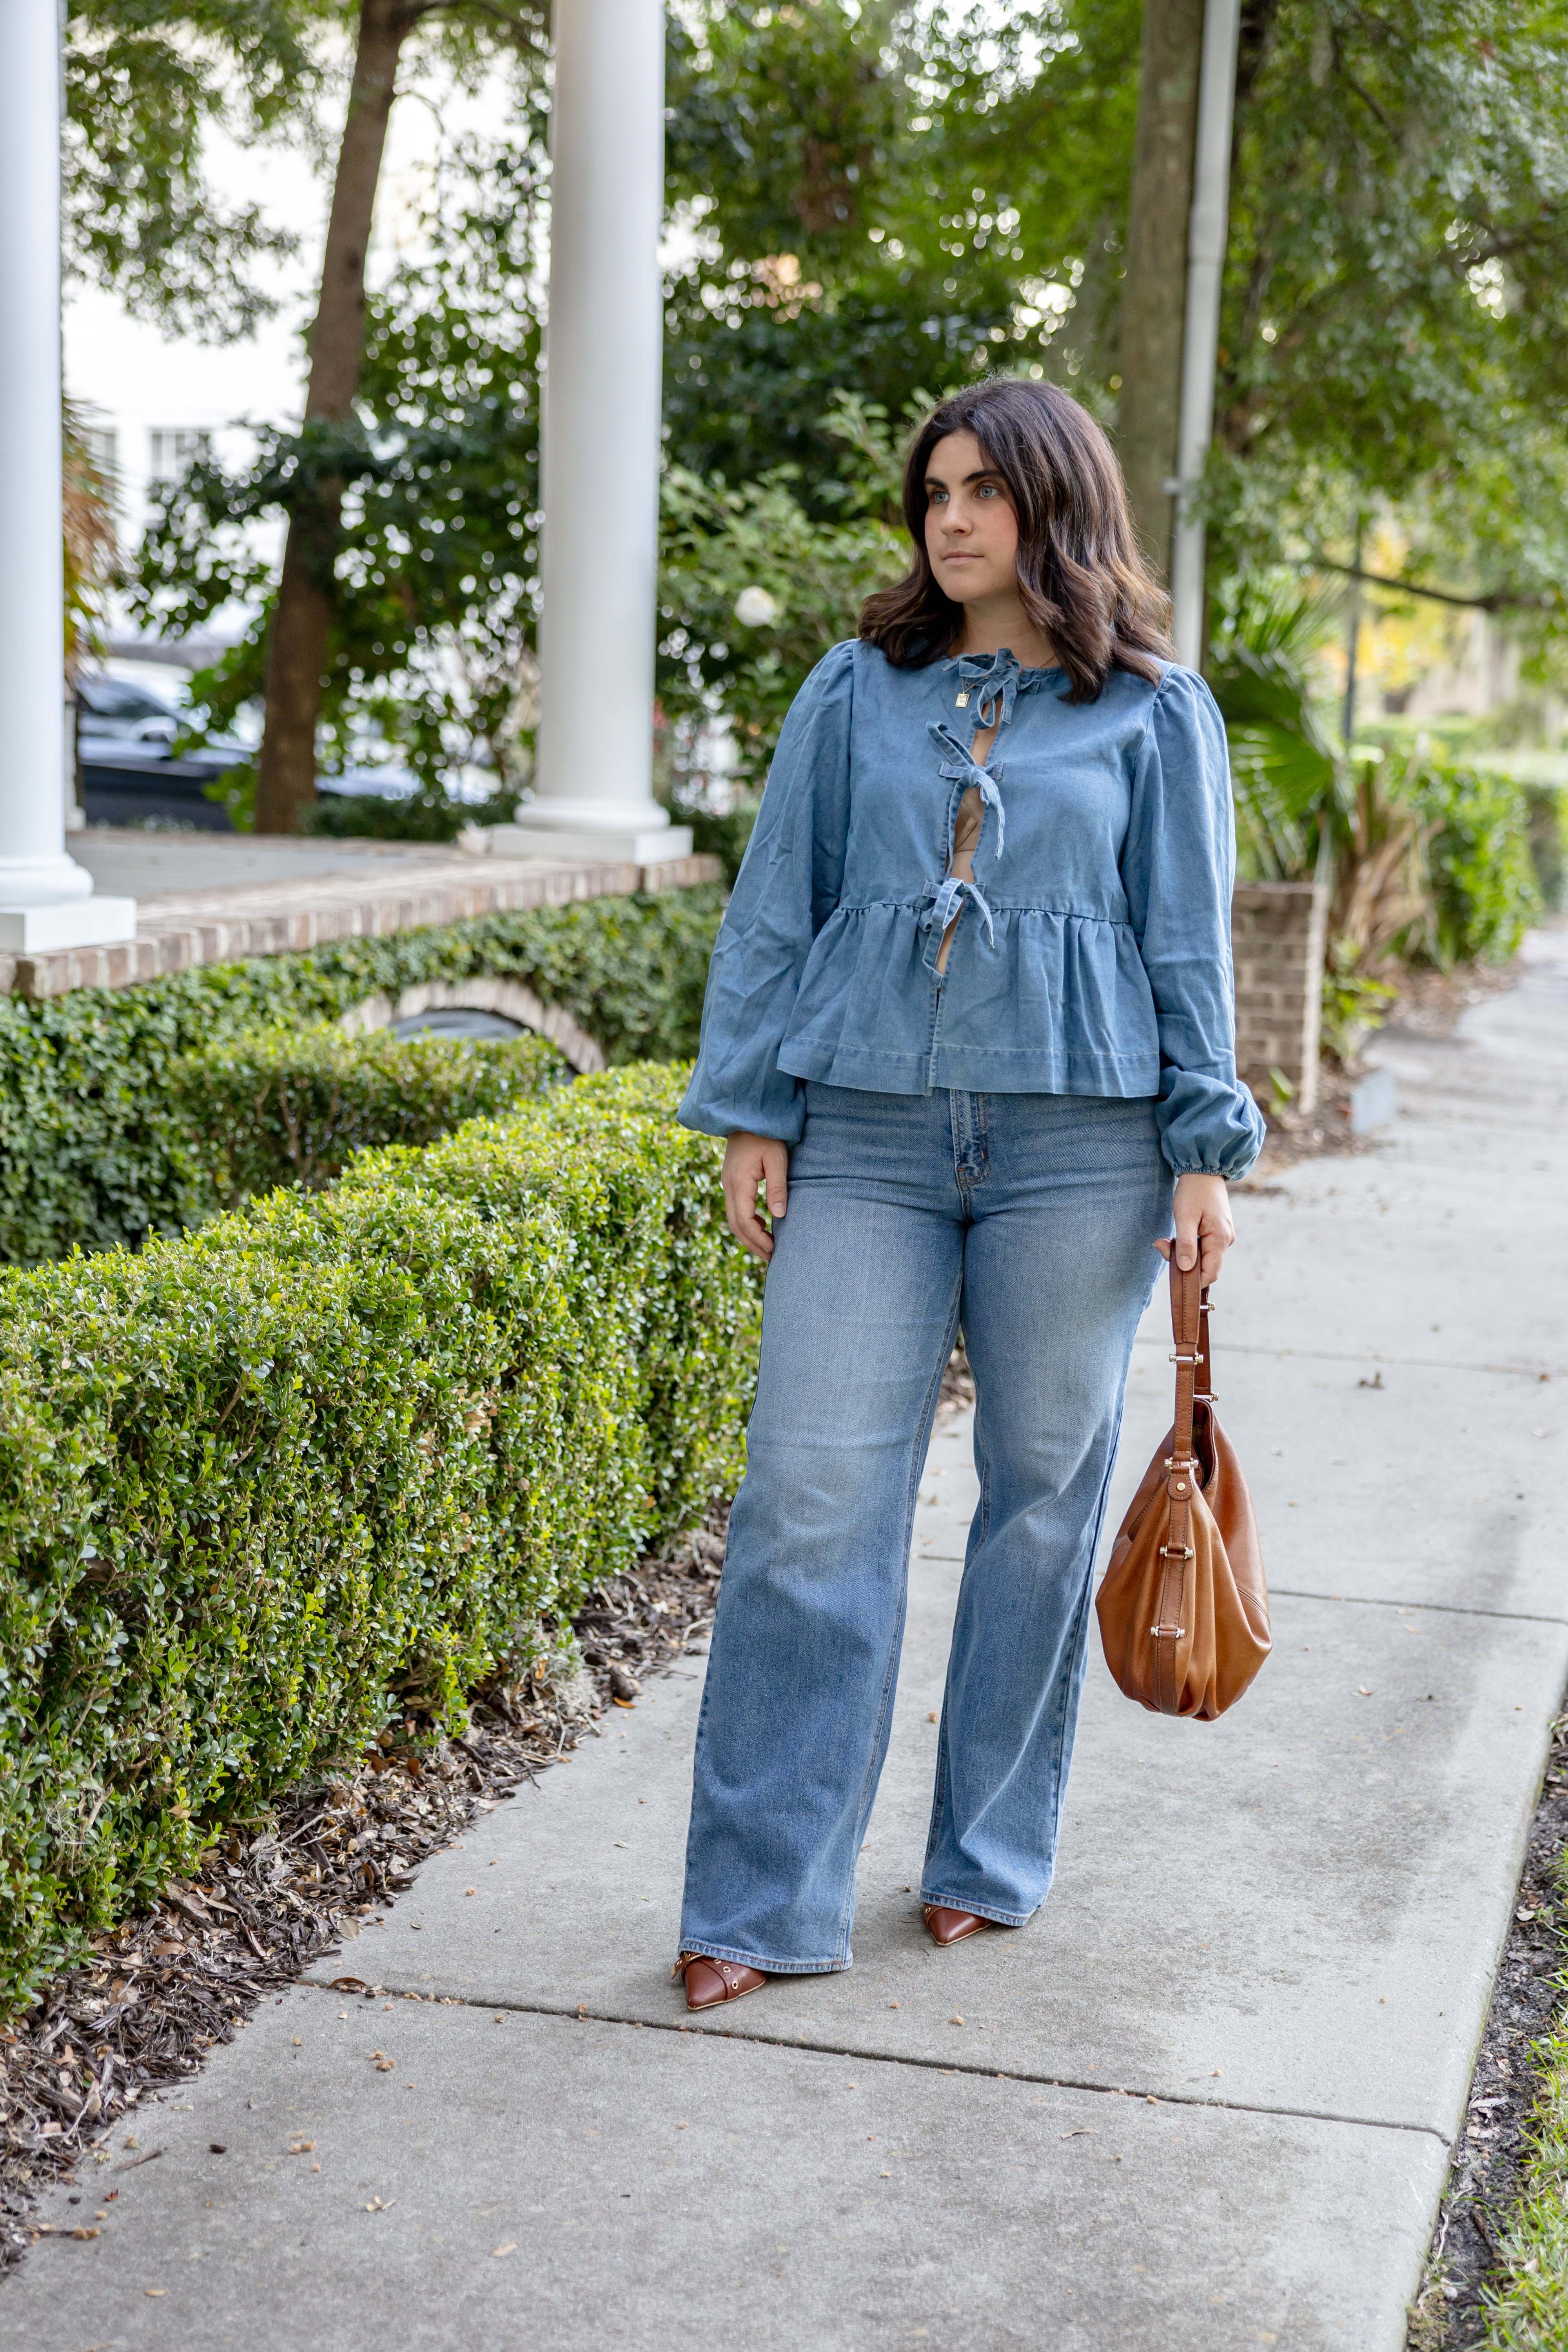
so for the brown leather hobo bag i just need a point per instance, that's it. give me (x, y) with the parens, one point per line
(1183, 1610)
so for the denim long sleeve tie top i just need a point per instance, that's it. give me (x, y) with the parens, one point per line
(1088, 955)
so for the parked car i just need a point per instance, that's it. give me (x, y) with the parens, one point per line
(125, 735)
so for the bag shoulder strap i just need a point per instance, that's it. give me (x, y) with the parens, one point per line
(1183, 1477)
(1190, 1330)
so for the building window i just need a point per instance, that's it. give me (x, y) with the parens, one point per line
(171, 449)
(101, 443)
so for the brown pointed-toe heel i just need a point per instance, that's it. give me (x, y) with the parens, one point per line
(945, 1926)
(709, 1982)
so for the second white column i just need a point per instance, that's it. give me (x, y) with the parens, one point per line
(600, 456)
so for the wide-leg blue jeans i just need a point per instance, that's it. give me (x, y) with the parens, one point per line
(1031, 1220)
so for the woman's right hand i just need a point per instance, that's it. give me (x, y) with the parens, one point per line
(754, 1163)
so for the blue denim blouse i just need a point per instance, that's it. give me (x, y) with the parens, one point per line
(1092, 950)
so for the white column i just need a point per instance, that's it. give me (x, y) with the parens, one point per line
(1205, 270)
(599, 555)
(46, 898)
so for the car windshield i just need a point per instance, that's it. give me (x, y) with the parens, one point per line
(111, 698)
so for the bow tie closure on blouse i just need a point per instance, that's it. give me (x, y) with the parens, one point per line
(943, 901)
(945, 898)
(963, 768)
(993, 679)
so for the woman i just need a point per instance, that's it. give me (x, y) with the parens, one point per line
(969, 1028)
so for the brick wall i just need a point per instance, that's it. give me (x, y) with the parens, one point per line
(1277, 931)
(220, 923)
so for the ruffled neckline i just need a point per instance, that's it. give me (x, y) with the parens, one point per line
(994, 682)
(976, 668)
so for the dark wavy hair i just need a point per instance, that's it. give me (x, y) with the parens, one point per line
(1081, 578)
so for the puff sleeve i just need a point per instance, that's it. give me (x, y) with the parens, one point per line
(1178, 867)
(790, 882)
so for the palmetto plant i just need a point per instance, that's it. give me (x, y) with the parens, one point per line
(92, 546)
(1289, 783)
(1304, 812)
(1383, 885)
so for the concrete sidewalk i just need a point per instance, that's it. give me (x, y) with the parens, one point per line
(1204, 2102)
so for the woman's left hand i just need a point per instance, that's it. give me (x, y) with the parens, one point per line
(1204, 1230)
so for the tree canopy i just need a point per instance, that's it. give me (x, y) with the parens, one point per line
(146, 86)
(1397, 287)
(882, 201)
(871, 203)
(890, 200)
(434, 575)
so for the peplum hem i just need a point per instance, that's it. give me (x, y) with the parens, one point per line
(1068, 991)
(1009, 1072)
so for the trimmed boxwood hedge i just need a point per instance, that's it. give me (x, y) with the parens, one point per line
(292, 1106)
(330, 1460)
(92, 1152)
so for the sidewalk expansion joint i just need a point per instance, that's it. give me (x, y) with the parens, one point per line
(1431, 1608)
(1371, 1356)
(579, 2013)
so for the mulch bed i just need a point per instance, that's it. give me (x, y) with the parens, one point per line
(1430, 1002)
(181, 1977)
(1484, 2182)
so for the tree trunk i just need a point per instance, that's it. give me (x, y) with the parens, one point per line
(301, 625)
(1154, 293)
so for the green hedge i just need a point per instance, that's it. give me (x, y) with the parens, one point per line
(90, 1151)
(292, 1106)
(1547, 809)
(1485, 888)
(330, 1459)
